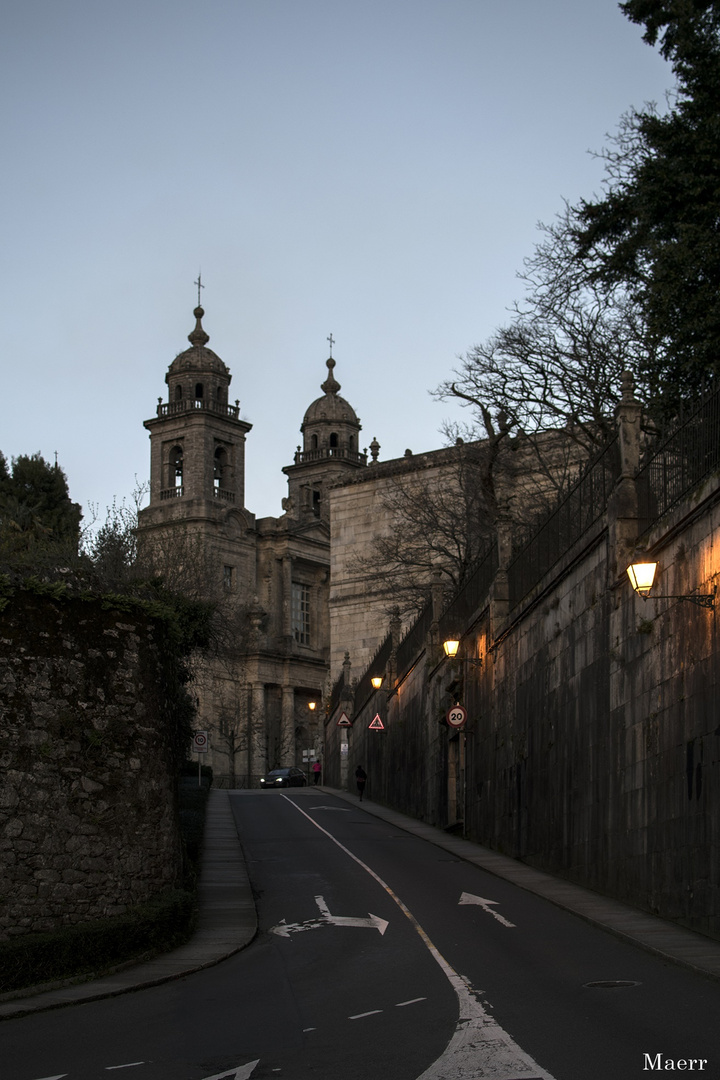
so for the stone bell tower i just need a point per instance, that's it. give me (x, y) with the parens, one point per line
(330, 451)
(197, 466)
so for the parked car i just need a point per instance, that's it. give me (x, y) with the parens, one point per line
(283, 778)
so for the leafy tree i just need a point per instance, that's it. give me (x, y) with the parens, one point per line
(656, 232)
(36, 511)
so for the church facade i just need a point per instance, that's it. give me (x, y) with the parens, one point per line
(260, 691)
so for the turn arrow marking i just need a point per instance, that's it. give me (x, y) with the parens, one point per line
(468, 898)
(285, 929)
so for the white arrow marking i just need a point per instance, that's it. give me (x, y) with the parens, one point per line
(285, 929)
(243, 1072)
(342, 920)
(468, 898)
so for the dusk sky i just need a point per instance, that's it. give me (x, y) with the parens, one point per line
(374, 170)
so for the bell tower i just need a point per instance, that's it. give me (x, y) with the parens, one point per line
(197, 458)
(330, 450)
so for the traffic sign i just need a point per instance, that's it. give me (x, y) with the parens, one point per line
(456, 716)
(376, 724)
(200, 742)
(344, 721)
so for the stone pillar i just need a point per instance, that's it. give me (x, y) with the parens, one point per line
(287, 597)
(623, 504)
(499, 592)
(257, 749)
(287, 730)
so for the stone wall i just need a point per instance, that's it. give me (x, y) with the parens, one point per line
(89, 751)
(592, 748)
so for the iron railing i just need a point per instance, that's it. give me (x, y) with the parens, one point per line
(470, 596)
(414, 640)
(679, 460)
(576, 513)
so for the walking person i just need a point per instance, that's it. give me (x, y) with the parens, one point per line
(317, 769)
(361, 780)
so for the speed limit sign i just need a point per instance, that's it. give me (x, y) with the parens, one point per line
(456, 716)
(200, 742)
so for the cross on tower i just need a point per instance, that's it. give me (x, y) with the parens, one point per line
(332, 342)
(199, 287)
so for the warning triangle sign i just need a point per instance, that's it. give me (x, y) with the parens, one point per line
(376, 723)
(344, 721)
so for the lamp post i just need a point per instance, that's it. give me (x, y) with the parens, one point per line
(642, 577)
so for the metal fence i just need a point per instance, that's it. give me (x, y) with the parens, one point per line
(679, 460)
(414, 640)
(575, 514)
(468, 599)
(376, 667)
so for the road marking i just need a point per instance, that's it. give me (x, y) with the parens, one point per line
(337, 809)
(479, 1046)
(58, 1077)
(359, 1016)
(130, 1065)
(413, 1001)
(242, 1072)
(285, 929)
(468, 898)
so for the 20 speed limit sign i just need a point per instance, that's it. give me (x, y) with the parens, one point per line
(456, 716)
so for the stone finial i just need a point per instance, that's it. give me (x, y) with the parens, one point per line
(198, 335)
(627, 386)
(374, 449)
(331, 385)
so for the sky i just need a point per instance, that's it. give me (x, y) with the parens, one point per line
(373, 170)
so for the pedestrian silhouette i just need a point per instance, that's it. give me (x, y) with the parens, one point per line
(361, 779)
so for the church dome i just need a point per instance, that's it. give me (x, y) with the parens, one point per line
(198, 358)
(330, 407)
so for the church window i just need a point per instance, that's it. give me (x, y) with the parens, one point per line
(198, 391)
(220, 468)
(301, 613)
(314, 442)
(176, 469)
(333, 438)
(350, 442)
(228, 578)
(316, 503)
(178, 393)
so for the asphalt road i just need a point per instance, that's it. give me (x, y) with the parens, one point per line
(380, 955)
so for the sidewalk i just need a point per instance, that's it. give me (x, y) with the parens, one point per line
(228, 922)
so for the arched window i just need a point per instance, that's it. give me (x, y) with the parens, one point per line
(198, 391)
(176, 469)
(314, 443)
(351, 443)
(333, 439)
(220, 468)
(178, 392)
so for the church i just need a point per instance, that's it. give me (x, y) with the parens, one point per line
(296, 607)
(260, 692)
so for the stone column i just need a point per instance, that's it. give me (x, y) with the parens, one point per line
(623, 504)
(287, 597)
(287, 730)
(258, 736)
(499, 592)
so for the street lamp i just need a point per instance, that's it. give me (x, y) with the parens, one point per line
(377, 681)
(642, 576)
(452, 646)
(312, 706)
